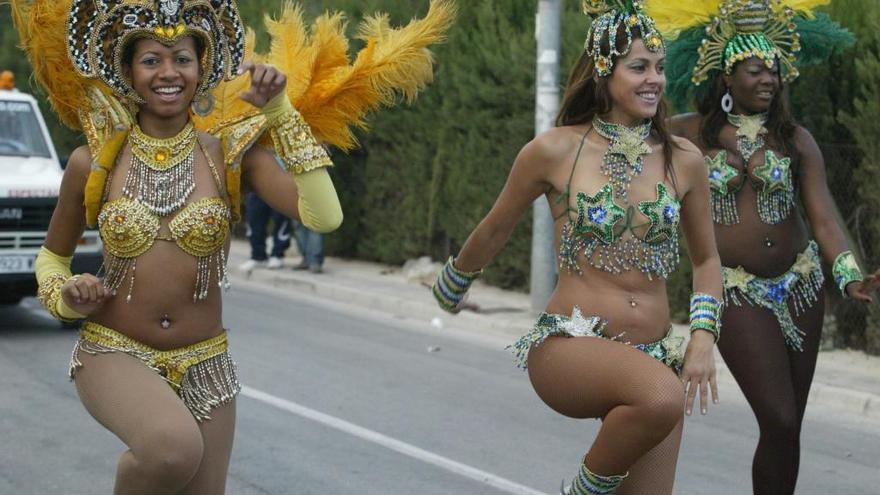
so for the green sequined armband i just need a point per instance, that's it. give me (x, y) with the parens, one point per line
(706, 314)
(846, 270)
(452, 284)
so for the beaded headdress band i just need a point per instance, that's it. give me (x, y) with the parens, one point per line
(608, 17)
(98, 31)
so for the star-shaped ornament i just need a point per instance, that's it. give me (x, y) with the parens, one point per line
(598, 214)
(630, 145)
(579, 326)
(775, 173)
(720, 172)
(749, 126)
(664, 213)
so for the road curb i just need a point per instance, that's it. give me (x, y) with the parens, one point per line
(863, 404)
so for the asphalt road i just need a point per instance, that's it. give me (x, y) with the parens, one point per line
(342, 400)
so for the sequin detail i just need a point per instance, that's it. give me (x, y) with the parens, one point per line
(666, 350)
(800, 285)
(772, 181)
(598, 234)
(203, 374)
(623, 160)
(722, 189)
(128, 229)
(775, 188)
(750, 132)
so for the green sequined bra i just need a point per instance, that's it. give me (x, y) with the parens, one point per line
(605, 233)
(772, 180)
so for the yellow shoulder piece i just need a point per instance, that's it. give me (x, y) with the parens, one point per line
(106, 123)
(236, 137)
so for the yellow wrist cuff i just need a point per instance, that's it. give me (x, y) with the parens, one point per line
(292, 137)
(52, 272)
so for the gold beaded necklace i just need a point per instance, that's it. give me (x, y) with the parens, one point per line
(161, 172)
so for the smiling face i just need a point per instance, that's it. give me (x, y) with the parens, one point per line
(753, 86)
(165, 77)
(637, 83)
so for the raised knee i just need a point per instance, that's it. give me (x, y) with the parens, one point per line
(173, 457)
(665, 404)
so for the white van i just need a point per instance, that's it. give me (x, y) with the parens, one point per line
(30, 178)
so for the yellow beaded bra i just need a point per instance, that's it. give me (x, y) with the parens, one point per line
(159, 181)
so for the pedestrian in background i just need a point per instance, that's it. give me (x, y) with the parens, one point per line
(311, 247)
(258, 213)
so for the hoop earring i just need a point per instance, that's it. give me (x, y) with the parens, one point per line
(727, 102)
(203, 104)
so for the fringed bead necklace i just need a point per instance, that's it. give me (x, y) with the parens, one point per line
(161, 172)
(624, 158)
(750, 133)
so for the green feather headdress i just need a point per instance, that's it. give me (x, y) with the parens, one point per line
(712, 36)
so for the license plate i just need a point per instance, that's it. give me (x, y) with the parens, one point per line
(17, 264)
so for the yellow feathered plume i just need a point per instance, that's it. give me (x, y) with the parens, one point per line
(334, 94)
(42, 27)
(227, 103)
(673, 17)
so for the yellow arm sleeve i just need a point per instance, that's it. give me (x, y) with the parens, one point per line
(306, 159)
(319, 207)
(52, 271)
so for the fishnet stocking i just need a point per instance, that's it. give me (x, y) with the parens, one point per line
(776, 381)
(640, 399)
(655, 471)
(168, 450)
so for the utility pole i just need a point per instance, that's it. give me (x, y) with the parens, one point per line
(547, 29)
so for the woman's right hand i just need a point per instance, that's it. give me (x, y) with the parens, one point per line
(84, 293)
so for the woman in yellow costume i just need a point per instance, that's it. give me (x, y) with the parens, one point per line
(152, 362)
(771, 207)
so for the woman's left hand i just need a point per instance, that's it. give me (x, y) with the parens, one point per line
(267, 82)
(861, 290)
(699, 371)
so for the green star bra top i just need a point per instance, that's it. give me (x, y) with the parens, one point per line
(772, 181)
(607, 234)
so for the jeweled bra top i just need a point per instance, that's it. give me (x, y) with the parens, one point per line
(772, 181)
(597, 227)
(130, 226)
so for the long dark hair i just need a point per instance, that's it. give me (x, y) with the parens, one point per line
(780, 123)
(587, 96)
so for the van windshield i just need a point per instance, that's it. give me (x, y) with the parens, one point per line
(20, 132)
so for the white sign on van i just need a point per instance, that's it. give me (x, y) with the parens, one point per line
(15, 106)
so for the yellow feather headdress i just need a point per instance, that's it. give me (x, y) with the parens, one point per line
(332, 92)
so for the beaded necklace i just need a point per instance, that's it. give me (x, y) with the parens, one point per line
(750, 133)
(161, 172)
(624, 158)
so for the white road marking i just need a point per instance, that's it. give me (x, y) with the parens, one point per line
(404, 448)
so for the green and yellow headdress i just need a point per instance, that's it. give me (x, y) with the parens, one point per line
(607, 18)
(712, 36)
